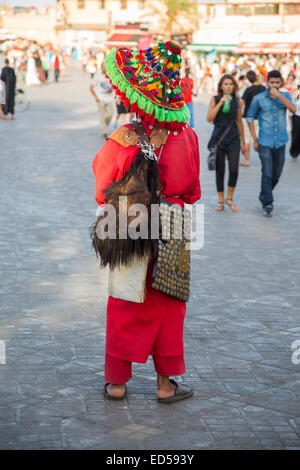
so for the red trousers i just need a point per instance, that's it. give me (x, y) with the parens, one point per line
(135, 331)
(118, 371)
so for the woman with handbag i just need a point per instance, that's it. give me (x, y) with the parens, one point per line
(148, 81)
(225, 112)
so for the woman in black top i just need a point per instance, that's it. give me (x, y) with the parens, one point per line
(295, 141)
(233, 141)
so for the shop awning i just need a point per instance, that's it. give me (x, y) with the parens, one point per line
(268, 48)
(212, 47)
(128, 39)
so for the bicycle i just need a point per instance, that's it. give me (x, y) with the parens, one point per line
(22, 101)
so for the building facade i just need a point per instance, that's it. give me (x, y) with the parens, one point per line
(253, 26)
(265, 16)
(96, 23)
(28, 24)
(92, 23)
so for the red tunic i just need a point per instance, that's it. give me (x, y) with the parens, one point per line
(134, 331)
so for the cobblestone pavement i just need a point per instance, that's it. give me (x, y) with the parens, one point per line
(241, 322)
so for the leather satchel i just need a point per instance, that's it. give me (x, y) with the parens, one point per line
(172, 269)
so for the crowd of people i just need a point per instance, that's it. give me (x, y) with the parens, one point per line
(207, 72)
(32, 62)
(27, 63)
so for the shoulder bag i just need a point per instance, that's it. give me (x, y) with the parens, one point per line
(212, 157)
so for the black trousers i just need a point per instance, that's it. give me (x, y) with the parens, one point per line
(295, 144)
(56, 74)
(233, 157)
(9, 106)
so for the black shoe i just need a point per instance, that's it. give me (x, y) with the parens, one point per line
(105, 136)
(268, 211)
(261, 201)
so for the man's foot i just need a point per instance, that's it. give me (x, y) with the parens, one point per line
(6, 117)
(104, 136)
(180, 392)
(245, 163)
(268, 211)
(232, 206)
(114, 391)
(220, 206)
(12, 116)
(166, 389)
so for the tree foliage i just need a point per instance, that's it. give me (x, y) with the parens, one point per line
(175, 16)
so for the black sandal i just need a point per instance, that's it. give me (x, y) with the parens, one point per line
(221, 206)
(182, 392)
(109, 397)
(232, 205)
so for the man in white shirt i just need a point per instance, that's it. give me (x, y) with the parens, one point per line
(102, 91)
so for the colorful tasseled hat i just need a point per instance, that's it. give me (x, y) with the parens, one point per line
(148, 81)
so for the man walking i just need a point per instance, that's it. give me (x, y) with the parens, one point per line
(270, 108)
(102, 91)
(56, 67)
(254, 89)
(8, 76)
(2, 96)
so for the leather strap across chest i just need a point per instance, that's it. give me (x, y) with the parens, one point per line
(140, 132)
(128, 137)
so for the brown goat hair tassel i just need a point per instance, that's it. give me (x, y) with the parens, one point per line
(141, 185)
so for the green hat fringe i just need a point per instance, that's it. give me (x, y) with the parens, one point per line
(161, 114)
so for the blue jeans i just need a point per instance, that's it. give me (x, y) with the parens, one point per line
(191, 109)
(272, 161)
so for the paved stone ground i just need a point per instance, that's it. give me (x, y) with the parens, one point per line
(242, 318)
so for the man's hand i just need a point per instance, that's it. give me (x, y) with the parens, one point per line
(243, 148)
(92, 90)
(274, 93)
(255, 145)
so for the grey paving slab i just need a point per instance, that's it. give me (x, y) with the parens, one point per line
(241, 321)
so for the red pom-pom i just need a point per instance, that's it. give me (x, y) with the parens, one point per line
(134, 108)
(175, 126)
(173, 47)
